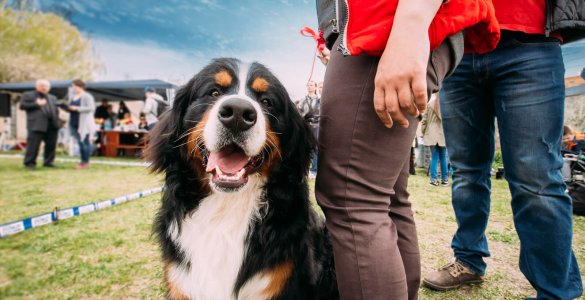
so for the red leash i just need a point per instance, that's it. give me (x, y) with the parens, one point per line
(318, 37)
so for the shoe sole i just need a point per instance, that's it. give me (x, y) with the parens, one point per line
(433, 286)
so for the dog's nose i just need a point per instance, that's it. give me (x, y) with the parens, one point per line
(237, 114)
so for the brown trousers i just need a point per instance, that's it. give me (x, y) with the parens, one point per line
(363, 176)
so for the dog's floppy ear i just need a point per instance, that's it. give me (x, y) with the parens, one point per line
(162, 138)
(159, 140)
(298, 143)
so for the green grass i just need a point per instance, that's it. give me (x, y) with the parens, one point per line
(105, 254)
(111, 254)
(26, 193)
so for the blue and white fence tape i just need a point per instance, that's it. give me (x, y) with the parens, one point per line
(15, 227)
(97, 162)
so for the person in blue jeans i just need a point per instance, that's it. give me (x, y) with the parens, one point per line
(439, 157)
(81, 121)
(521, 85)
(433, 136)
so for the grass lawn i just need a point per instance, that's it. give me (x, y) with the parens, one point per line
(110, 254)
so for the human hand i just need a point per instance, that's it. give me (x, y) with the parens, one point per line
(73, 108)
(567, 138)
(400, 83)
(324, 56)
(41, 102)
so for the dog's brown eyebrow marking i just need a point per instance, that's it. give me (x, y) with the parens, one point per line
(260, 85)
(223, 78)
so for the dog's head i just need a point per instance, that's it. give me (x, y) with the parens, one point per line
(230, 122)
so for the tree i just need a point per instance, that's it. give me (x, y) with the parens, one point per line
(37, 45)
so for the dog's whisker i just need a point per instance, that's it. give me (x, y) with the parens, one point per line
(200, 148)
(272, 147)
(202, 104)
(182, 136)
(185, 143)
(271, 115)
(190, 131)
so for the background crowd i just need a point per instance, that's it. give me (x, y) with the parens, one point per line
(85, 121)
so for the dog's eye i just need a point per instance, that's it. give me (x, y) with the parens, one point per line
(215, 93)
(266, 102)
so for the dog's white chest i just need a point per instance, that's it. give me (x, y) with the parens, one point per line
(213, 241)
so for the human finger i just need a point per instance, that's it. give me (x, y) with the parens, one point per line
(393, 108)
(419, 91)
(380, 107)
(406, 101)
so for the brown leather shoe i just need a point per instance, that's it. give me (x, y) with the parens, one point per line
(451, 276)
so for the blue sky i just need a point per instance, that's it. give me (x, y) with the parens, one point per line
(173, 39)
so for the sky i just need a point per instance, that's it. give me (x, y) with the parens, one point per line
(173, 39)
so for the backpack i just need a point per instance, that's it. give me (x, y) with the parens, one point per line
(576, 187)
(577, 193)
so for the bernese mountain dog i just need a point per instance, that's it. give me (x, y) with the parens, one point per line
(236, 221)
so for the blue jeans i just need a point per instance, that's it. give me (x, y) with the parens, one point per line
(521, 84)
(314, 162)
(84, 145)
(439, 154)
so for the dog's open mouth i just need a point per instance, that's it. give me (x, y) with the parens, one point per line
(230, 167)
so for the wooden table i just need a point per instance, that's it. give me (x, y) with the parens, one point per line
(113, 140)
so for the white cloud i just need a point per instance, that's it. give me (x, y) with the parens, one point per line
(121, 60)
(213, 4)
(146, 60)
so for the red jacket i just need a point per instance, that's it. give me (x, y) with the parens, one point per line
(368, 25)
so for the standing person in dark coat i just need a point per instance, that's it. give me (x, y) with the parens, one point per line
(42, 123)
(101, 112)
(122, 110)
(309, 109)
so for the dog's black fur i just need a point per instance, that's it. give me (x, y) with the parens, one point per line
(290, 230)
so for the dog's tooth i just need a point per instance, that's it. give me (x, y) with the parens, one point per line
(241, 173)
(219, 172)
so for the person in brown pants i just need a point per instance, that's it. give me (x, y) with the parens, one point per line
(363, 171)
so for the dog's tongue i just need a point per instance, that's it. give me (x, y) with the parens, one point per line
(230, 160)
